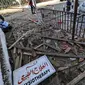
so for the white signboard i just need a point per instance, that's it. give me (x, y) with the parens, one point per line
(1, 80)
(34, 72)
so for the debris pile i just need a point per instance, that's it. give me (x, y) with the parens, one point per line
(30, 41)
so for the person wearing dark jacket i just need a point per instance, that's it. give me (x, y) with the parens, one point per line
(4, 25)
(68, 3)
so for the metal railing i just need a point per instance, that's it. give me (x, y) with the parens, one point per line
(64, 20)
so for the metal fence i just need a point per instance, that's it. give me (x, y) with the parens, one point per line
(64, 20)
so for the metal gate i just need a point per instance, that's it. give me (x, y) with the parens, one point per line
(64, 20)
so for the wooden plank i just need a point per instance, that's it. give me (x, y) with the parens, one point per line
(60, 55)
(14, 54)
(16, 62)
(28, 32)
(42, 52)
(77, 79)
(81, 43)
(77, 66)
(56, 55)
(52, 47)
(28, 49)
(20, 58)
(38, 46)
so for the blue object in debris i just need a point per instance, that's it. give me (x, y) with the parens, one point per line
(4, 24)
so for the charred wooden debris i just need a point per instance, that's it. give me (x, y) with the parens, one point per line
(54, 39)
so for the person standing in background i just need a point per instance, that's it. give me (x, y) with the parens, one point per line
(32, 6)
(68, 5)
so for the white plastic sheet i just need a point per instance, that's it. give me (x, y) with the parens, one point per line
(5, 58)
(1, 80)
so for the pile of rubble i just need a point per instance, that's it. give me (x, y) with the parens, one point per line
(28, 41)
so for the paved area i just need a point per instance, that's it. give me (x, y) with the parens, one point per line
(58, 5)
(18, 9)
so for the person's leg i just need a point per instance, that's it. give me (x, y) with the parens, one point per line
(32, 9)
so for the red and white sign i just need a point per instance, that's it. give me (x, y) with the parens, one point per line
(1, 80)
(34, 72)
